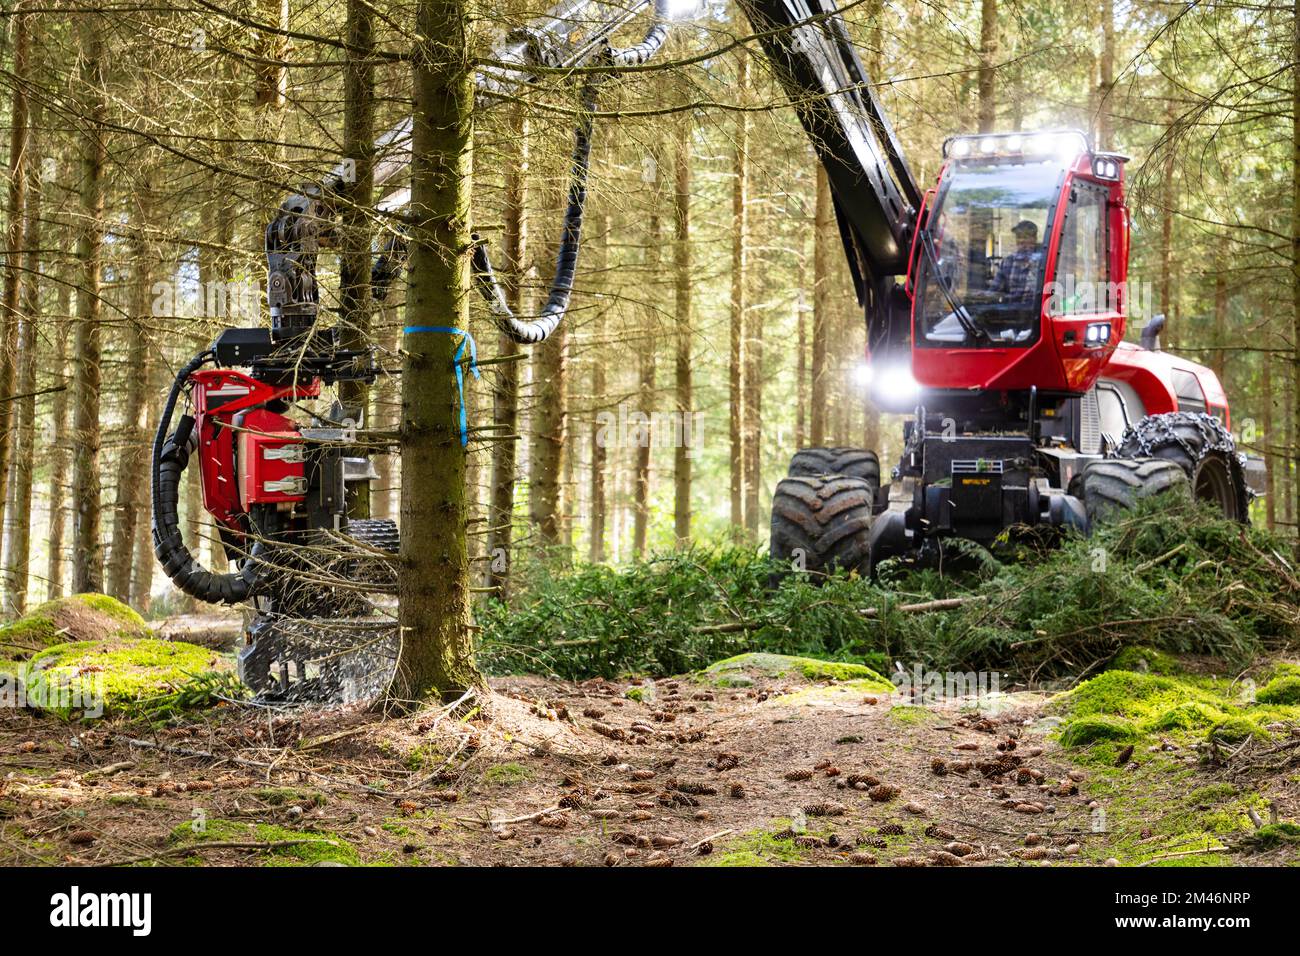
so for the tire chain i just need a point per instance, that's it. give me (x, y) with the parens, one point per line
(1158, 429)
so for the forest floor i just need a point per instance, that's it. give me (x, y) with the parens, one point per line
(765, 761)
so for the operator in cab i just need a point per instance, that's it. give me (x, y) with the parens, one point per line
(1017, 275)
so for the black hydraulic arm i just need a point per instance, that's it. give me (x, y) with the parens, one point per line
(876, 196)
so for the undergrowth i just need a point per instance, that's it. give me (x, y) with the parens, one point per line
(1171, 576)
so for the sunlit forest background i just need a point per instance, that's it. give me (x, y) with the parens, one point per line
(146, 148)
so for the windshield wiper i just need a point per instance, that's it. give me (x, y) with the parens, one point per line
(972, 328)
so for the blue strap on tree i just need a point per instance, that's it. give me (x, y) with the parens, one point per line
(455, 361)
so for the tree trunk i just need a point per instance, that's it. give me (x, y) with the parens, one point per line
(18, 542)
(1168, 202)
(684, 445)
(739, 254)
(1105, 130)
(1219, 355)
(505, 396)
(59, 448)
(437, 655)
(131, 505)
(1294, 408)
(643, 438)
(87, 549)
(988, 101)
(1269, 442)
(19, 147)
(824, 243)
(354, 216)
(549, 420)
(596, 504)
(801, 365)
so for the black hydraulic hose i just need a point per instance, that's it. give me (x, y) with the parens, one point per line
(566, 262)
(643, 51)
(171, 453)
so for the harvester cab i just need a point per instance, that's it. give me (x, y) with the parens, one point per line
(1028, 410)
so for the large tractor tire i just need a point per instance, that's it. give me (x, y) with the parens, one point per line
(1114, 485)
(822, 522)
(1203, 449)
(853, 462)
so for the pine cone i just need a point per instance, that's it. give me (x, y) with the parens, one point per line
(829, 809)
(737, 791)
(630, 839)
(936, 832)
(944, 858)
(872, 841)
(613, 733)
(595, 713)
(960, 849)
(862, 859)
(866, 780)
(807, 842)
(697, 787)
(883, 793)
(705, 848)
(891, 829)
(908, 861)
(555, 821)
(939, 767)
(794, 776)
(726, 761)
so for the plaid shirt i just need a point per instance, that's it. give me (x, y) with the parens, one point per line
(1018, 274)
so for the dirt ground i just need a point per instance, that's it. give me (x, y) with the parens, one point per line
(784, 771)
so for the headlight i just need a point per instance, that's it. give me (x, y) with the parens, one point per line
(895, 384)
(1098, 333)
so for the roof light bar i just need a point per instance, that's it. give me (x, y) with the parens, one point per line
(1062, 145)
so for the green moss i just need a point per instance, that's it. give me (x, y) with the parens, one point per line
(912, 714)
(1189, 715)
(507, 773)
(1212, 793)
(635, 693)
(75, 618)
(1146, 660)
(66, 678)
(733, 670)
(1187, 707)
(1234, 729)
(758, 848)
(1272, 835)
(1280, 690)
(1091, 729)
(324, 846)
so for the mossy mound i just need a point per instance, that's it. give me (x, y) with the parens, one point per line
(91, 677)
(1146, 660)
(1124, 705)
(301, 848)
(1283, 690)
(1093, 729)
(81, 617)
(737, 671)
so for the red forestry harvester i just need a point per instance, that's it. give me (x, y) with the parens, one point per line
(1004, 342)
